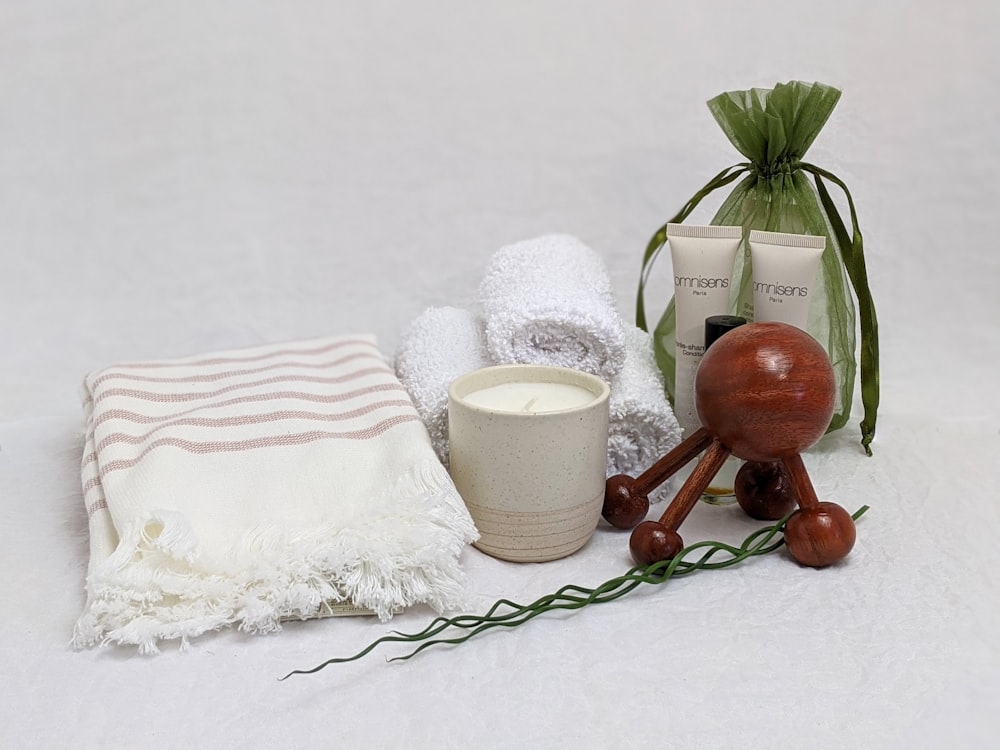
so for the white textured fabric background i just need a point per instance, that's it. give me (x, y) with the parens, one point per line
(181, 177)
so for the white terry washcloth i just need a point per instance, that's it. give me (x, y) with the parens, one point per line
(641, 426)
(441, 344)
(249, 486)
(548, 301)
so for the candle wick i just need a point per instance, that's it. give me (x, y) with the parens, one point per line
(527, 406)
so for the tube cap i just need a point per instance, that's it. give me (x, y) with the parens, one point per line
(716, 325)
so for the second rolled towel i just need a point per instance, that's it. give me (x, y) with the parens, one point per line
(441, 344)
(549, 301)
(642, 426)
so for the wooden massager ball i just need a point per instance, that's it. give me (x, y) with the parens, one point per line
(764, 392)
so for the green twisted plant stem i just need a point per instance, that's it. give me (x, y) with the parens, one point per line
(508, 614)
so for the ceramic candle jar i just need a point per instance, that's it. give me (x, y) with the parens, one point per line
(529, 447)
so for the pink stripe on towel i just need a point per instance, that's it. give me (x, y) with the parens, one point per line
(269, 441)
(131, 416)
(195, 395)
(210, 377)
(117, 438)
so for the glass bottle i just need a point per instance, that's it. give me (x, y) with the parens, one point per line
(720, 490)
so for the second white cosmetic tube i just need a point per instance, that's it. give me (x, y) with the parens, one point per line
(784, 272)
(702, 258)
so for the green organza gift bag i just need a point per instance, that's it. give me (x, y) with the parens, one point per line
(779, 192)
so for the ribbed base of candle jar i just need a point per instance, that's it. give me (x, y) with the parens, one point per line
(536, 536)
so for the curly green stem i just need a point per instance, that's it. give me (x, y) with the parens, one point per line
(508, 614)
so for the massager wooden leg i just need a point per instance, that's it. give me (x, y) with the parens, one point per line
(626, 500)
(818, 533)
(653, 541)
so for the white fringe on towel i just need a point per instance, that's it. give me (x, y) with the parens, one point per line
(642, 426)
(548, 301)
(249, 486)
(441, 344)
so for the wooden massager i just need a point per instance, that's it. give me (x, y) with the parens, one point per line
(764, 392)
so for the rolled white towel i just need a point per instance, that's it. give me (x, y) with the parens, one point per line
(549, 301)
(441, 344)
(642, 426)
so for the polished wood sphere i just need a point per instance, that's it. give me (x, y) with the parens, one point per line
(624, 506)
(766, 391)
(764, 490)
(652, 541)
(820, 535)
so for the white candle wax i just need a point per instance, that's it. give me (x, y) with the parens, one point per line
(531, 398)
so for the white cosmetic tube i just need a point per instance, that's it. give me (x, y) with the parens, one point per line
(702, 258)
(784, 272)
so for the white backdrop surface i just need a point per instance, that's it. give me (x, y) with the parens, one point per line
(182, 177)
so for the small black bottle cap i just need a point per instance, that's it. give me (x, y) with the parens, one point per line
(717, 325)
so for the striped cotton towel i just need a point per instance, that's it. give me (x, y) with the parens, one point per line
(250, 486)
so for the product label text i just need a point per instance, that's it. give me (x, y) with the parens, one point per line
(781, 290)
